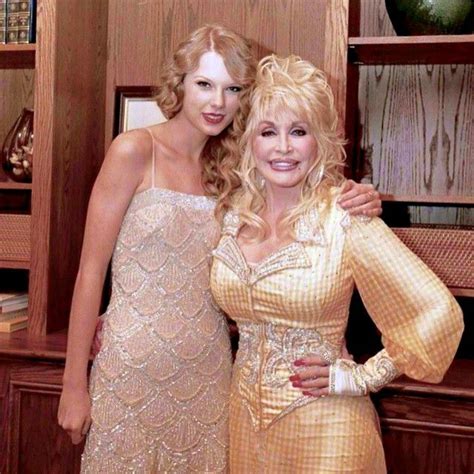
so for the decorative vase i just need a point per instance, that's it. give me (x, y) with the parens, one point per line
(17, 150)
(431, 17)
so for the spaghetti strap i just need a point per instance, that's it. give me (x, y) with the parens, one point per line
(152, 158)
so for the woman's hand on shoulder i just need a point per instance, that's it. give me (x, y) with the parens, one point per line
(74, 413)
(360, 199)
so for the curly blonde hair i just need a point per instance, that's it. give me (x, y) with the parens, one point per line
(221, 152)
(282, 86)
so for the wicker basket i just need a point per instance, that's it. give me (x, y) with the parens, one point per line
(15, 237)
(448, 252)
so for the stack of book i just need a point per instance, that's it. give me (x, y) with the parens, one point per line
(13, 311)
(17, 21)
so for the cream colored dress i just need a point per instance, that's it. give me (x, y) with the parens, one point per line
(295, 303)
(160, 384)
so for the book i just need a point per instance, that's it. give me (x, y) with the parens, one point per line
(10, 296)
(13, 302)
(12, 21)
(13, 321)
(27, 22)
(3, 21)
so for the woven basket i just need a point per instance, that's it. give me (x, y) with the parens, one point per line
(448, 252)
(15, 237)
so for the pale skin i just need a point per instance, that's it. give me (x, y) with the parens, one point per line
(211, 99)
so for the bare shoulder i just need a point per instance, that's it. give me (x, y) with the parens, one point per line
(127, 161)
(134, 146)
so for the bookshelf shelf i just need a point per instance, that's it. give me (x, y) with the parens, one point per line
(15, 264)
(450, 200)
(443, 49)
(17, 56)
(11, 185)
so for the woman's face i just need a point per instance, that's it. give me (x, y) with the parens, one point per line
(284, 151)
(211, 95)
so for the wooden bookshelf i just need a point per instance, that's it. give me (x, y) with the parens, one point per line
(445, 49)
(17, 56)
(12, 185)
(19, 264)
(429, 199)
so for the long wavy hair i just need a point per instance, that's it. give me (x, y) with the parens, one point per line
(220, 154)
(289, 86)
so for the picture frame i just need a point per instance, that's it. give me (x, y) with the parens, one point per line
(135, 107)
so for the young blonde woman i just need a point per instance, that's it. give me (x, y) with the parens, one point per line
(160, 385)
(285, 269)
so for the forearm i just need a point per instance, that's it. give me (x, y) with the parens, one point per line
(83, 319)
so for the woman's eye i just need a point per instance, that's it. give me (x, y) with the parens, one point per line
(299, 132)
(235, 89)
(267, 133)
(203, 84)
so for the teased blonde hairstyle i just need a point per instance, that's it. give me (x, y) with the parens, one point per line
(289, 86)
(219, 154)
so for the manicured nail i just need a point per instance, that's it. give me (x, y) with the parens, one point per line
(294, 378)
(299, 362)
(308, 394)
(297, 384)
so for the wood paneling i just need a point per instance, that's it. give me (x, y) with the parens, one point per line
(33, 399)
(143, 33)
(416, 128)
(70, 108)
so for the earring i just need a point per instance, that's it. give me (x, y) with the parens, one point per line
(319, 177)
(260, 180)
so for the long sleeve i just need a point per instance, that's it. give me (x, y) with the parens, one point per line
(420, 321)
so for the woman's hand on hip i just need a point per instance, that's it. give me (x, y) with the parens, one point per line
(312, 376)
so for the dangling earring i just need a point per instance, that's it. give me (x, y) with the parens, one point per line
(319, 177)
(260, 180)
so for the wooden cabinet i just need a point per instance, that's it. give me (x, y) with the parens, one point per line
(30, 384)
(409, 120)
(35, 441)
(63, 77)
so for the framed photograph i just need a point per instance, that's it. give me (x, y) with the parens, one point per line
(135, 107)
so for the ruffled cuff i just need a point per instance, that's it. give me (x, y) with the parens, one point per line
(351, 379)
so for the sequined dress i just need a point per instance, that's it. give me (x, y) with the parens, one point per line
(160, 384)
(295, 303)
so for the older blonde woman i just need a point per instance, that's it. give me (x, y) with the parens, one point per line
(285, 269)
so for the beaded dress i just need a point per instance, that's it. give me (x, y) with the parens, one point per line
(160, 383)
(295, 303)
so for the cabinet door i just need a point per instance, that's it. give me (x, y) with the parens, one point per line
(426, 433)
(36, 444)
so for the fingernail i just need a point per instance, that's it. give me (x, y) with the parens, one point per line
(294, 378)
(296, 384)
(299, 362)
(308, 394)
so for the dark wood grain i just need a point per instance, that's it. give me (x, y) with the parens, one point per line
(22, 345)
(34, 397)
(446, 49)
(17, 56)
(69, 121)
(416, 130)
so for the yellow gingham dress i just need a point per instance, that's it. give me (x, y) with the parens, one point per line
(294, 303)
